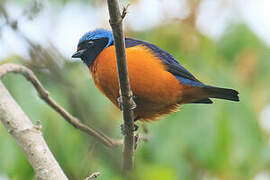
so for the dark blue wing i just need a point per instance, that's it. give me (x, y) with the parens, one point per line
(172, 64)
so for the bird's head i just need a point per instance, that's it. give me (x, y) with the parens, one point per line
(91, 44)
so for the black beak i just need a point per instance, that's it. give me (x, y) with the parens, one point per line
(78, 54)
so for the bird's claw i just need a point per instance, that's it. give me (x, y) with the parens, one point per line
(136, 127)
(120, 103)
(133, 104)
(123, 130)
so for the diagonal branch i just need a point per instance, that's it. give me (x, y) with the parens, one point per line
(29, 138)
(125, 91)
(44, 94)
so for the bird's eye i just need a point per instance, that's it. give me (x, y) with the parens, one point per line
(90, 43)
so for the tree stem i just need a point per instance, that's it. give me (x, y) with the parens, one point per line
(116, 19)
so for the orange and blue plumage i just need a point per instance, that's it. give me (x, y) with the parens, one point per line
(160, 84)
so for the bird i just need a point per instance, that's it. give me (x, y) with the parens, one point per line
(160, 84)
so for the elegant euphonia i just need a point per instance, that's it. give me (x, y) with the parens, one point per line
(160, 84)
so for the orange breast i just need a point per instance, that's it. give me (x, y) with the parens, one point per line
(156, 91)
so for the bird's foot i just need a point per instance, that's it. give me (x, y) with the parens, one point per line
(133, 104)
(123, 130)
(120, 103)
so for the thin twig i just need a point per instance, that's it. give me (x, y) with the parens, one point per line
(44, 94)
(93, 176)
(126, 94)
(140, 137)
(124, 11)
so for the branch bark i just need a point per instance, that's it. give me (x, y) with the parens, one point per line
(44, 94)
(116, 19)
(29, 138)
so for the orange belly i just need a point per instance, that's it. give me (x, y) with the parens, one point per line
(156, 91)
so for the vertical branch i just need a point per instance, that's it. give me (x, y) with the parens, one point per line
(125, 91)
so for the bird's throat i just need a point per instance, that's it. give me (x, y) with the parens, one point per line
(92, 53)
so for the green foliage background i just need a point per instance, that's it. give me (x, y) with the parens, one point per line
(223, 140)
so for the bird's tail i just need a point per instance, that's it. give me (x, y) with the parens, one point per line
(221, 93)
